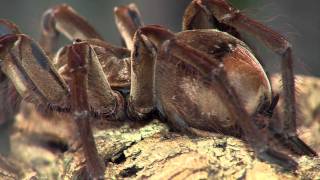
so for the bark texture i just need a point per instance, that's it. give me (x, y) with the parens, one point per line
(151, 151)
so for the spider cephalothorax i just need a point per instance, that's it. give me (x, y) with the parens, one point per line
(200, 79)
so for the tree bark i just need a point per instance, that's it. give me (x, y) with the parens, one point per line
(151, 151)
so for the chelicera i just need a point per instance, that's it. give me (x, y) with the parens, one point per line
(202, 79)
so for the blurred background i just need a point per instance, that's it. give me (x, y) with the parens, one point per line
(298, 20)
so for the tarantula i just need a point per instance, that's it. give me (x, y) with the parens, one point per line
(202, 79)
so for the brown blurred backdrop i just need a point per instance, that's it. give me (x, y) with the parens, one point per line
(298, 20)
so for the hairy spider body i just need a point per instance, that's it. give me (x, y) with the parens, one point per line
(200, 80)
(198, 104)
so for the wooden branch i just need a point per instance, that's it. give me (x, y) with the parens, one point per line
(150, 151)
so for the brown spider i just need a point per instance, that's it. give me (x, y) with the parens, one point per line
(202, 79)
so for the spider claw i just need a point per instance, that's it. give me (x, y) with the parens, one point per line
(295, 144)
(278, 158)
(299, 147)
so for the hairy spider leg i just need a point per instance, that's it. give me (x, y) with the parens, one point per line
(78, 67)
(232, 19)
(141, 100)
(215, 74)
(65, 20)
(9, 97)
(36, 80)
(128, 20)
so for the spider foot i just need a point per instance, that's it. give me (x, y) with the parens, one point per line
(291, 142)
(296, 145)
(278, 158)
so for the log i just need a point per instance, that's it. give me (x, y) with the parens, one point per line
(151, 151)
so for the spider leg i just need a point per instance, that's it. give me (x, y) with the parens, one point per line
(30, 77)
(26, 71)
(9, 98)
(214, 72)
(128, 20)
(114, 60)
(78, 64)
(198, 16)
(225, 14)
(36, 80)
(8, 95)
(64, 19)
(141, 99)
(31, 72)
(142, 92)
(104, 102)
(7, 27)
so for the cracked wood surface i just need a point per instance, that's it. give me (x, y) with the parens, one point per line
(151, 151)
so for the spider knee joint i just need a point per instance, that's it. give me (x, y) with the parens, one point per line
(138, 112)
(284, 48)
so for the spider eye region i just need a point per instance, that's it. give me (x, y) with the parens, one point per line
(221, 49)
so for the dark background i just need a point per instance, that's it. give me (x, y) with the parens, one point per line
(298, 20)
